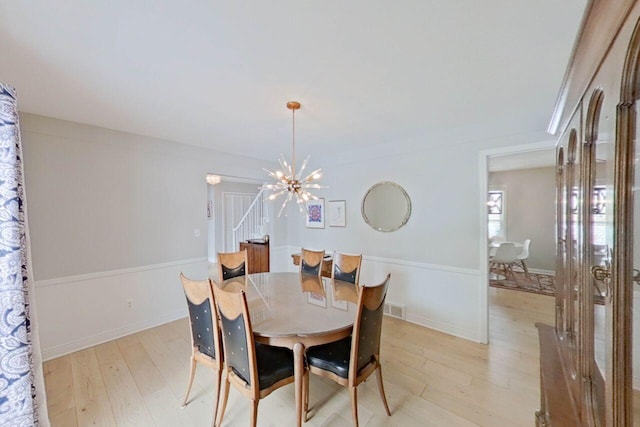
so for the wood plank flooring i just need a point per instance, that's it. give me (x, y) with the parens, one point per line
(431, 379)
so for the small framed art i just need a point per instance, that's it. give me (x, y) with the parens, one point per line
(337, 213)
(315, 213)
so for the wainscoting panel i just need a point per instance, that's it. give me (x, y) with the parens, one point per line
(438, 297)
(281, 258)
(81, 311)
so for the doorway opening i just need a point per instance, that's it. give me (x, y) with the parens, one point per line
(514, 188)
(227, 201)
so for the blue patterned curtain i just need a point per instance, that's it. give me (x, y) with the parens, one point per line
(20, 379)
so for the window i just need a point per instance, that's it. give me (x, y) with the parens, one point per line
(497, 215)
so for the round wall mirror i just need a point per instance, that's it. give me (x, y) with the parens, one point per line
(386, 207)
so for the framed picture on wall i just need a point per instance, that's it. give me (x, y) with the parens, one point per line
(315, 213)
(210, 209)
(337, 213)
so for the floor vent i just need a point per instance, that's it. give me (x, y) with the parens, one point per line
(395, 310)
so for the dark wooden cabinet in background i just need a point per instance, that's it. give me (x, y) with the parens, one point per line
(257, 256)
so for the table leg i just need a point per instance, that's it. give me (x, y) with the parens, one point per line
(298, 372)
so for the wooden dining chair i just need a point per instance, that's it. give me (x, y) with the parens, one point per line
(254, 369)
(232, 264)
(352, 360)
(311, 262)
(346, 267)
(205, 334)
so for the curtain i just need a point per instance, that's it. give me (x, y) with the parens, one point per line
(22, 401)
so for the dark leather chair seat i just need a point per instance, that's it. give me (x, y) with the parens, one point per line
(274, 364)
(333, 357)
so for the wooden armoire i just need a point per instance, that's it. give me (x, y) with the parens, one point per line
(590, 358)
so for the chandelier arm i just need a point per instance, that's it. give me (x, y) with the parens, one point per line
(284, 203)
(301, 170)
(316, 174)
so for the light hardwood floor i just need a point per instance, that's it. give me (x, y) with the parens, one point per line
(431, 379)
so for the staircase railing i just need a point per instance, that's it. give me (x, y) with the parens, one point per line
(251, 225)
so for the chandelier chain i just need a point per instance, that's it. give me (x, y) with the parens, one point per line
(293, 138)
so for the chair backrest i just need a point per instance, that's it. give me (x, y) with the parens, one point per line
(311, 262)
(346, 267)
(231, 264)
(525, 249)
(205, 336)
(237, 337)
(506, 253)
(365, 340)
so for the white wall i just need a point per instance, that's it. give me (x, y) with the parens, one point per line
(434, 260)
(112, 218)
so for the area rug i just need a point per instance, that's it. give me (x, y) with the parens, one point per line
(544, 284)
(538, 283)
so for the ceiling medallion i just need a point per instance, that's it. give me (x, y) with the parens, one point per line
(288, 182)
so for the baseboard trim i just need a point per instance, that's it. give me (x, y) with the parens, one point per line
(81, 344)
(92, 276)
(443, 327)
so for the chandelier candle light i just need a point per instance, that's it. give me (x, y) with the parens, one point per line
(287, 181)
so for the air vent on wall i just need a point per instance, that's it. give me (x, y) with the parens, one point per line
(395, 310)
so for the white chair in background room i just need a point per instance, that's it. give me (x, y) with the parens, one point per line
(504, 258)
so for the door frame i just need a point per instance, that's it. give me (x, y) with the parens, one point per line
(483, 180)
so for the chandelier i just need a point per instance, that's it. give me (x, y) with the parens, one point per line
(288, 182)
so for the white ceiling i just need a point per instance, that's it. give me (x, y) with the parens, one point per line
(526, 160)
(218, 73)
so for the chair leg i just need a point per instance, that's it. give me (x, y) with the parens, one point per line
(254, 414)
(526, 270)
(354, 405)
(305, 391)
(505, 271)
(215, 404)
(192, 374)
(224, 396)
(381, 389)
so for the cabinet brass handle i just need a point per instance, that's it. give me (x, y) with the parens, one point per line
(600, 273)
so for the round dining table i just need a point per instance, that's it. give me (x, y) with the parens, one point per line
(297, 311)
